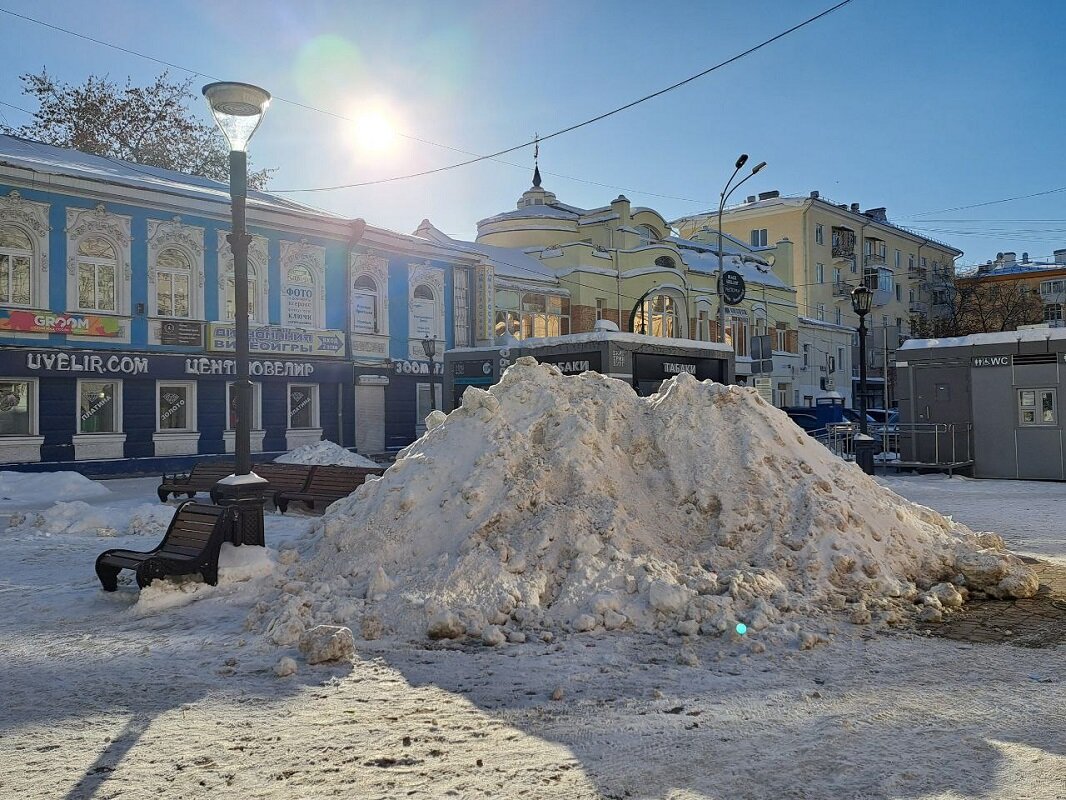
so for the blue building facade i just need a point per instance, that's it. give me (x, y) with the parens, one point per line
(116, 307)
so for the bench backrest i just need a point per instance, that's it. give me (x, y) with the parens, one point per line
(338, 481)
(209, 473)
(192, 529)
(284, 477)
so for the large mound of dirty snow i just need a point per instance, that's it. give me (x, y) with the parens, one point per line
(78, 517)
(325, 453)
(552, 504)
(47, 487)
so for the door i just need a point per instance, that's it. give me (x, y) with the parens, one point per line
(942, 409)
(370, 419)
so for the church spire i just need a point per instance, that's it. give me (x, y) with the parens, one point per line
(536, 165)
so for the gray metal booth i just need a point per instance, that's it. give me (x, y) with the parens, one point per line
(997, 393)
(644, 362)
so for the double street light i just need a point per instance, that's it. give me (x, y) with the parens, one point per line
(726, 191)
(238, 108)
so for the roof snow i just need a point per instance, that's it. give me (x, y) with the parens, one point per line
(506, 261)
(999, 337)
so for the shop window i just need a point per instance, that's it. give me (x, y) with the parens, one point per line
(173, 281)
(736, 335)
(423, 402)
(1037, 407)
(99, 406)
(424, 318)
(303, 406)
(18, 407)
(658, 316)
(97, 266)
(175, 406)
(255, 304)
(299, 298)
(704, 318)
(231, 405)
(532, 314)
(365, 305)
(16, 267)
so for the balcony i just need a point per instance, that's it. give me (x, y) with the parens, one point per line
(919, 308)
(843, 289)
(843, 243)
(873, 260)
(917, 273)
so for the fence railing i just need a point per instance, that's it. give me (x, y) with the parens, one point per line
(932, 444)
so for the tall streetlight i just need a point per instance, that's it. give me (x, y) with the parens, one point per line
(238, 108)
(726, 191)
(861, 299)
(429, 346)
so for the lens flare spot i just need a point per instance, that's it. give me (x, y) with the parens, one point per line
(374, 131)
(741, 628)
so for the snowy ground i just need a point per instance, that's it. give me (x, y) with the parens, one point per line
(104, 700)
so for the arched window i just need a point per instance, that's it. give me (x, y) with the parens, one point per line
(173, 283)
(97, 269)
(704, 320)
(657, 316)
(16, 259)
(365, 305)
(255, 313)
(299, 298)
(666, 262)
(424, 313)
(648, 234)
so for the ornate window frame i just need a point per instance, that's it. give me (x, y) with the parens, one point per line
(189, 241)
(375, 267)
(98, 222)
(32, 219)
(258, 265)
(313, 258)
(432, 278)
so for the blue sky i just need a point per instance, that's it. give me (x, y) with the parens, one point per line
(913, 105)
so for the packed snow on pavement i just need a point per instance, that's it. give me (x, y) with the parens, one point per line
(177, 689)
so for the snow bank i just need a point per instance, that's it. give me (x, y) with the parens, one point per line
(553, 504)
(31, 487)
(325, 453)
(236, 565)
(78, 517)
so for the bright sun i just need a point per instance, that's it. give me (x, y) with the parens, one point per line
(374, 131)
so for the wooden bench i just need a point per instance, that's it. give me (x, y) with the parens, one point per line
(283, 477)
(326, 485)
(191, 544)
(201, 478)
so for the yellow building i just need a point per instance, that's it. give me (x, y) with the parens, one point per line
(622, 264)
(837, 247)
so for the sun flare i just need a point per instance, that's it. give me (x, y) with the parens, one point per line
(374, 131)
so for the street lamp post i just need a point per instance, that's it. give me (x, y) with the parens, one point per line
(726, 191)
(429, 345)
(861, 298)
(238, 109)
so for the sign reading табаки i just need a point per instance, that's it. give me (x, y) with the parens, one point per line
(221, 337)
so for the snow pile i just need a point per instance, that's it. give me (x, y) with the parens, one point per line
(325, 453)
(29, 487)
(236, 565)
(78, 517)
(553, 504)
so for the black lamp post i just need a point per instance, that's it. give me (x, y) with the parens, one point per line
(861, 298)
(429, 345)
(726, 191)
(238, 109)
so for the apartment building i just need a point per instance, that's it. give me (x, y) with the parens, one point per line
(837, 247)
(1047, 279)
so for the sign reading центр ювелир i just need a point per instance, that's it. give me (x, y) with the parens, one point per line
(221, 337)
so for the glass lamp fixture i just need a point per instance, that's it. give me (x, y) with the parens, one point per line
(238, 109)
(430, 346)
(861, 297)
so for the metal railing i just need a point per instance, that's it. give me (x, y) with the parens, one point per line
(936, 445)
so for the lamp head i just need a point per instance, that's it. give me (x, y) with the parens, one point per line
(861, 298)
(758, 166)
(429, 346)
(742, 160)
(238, 109)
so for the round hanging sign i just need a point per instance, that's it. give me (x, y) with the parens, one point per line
(733, 289)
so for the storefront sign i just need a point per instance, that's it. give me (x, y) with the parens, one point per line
(417, 367)
(189, 334)
(276, 339)
(298, 305)
(56, 363)
(648, 367)
(79, 324)
(989, 361)
(572, 363)
(733, 289)
(475, 369)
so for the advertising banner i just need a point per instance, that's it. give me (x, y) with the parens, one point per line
(43, 322)
(221, 337)
(298, 308)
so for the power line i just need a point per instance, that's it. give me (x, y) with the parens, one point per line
(988, 203)
(590, 121)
